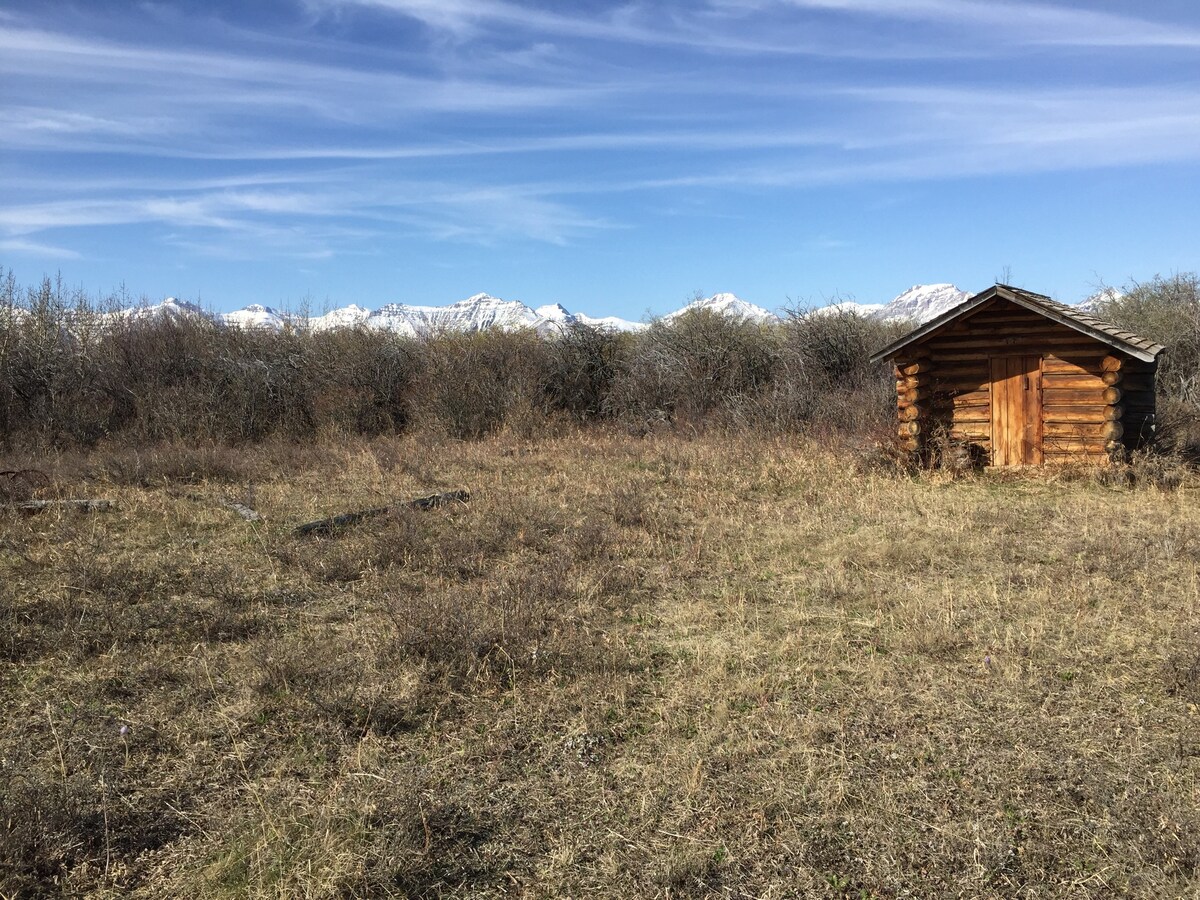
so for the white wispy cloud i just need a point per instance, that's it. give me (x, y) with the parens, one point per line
(1035, 23)
(761, 28)
(33, 248)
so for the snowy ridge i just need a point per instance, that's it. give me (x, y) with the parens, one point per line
(1098, 299)
(725, 305)
(480, 312)
(922, 302)
(866, 310)
(170, 308)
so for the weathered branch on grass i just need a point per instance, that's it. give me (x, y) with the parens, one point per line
(81, 505)
(247, 513)
(333, 523)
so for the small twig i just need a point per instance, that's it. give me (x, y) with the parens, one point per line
(62, 762)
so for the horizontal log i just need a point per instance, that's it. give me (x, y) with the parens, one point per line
(1138, 384)
(1078, 431)
(961, 386)
(908, 429)
(947, 356)
(1111, 378)
(920, 367)
(1053, 396)
(1133, 389)
(967, 387)
(967, 433)
(950, 402)
(78, 505)
(335, 523)
(972, 414)
(997, 319)
(964, 396)
(1082, 415)
(1070, 419)
(1004, 345)
(1029, 331)
(1052, 365)
(1112, 363)
(976, 362)
(1073, 445)
(910, 413)
(1072, 382)
(911, 396)
(1075, 457)
(907, 384)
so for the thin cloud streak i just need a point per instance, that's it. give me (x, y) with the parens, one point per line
(32, 248)
(1031, 22)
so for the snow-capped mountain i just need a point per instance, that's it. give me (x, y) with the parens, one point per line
(609, 323)
(343, 317)
(477, 313)
(1098, 299)
(170, 308)
(726, 305)
(866, 310)
(921, 303)
(257, 316)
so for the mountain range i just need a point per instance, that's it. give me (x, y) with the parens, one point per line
(917, 304)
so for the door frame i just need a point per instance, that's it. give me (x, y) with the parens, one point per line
(1016, 410)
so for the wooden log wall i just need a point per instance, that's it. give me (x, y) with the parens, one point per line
(913, 390)
(1095, 400)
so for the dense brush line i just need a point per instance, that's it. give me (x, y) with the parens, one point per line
(71, 378)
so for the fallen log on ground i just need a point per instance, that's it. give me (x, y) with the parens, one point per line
(333, 523)
(81, 505)
(247, 513)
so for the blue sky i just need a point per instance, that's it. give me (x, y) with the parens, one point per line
(614, 157)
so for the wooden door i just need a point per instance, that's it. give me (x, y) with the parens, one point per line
(1016, 410)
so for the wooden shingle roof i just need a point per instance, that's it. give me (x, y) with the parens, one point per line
(1083, 322)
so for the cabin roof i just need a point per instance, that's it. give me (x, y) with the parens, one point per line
(1083, 322)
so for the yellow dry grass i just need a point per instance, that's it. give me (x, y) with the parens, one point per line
(651, 667)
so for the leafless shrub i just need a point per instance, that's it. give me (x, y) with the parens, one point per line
(364, 380)
(472, 383)
(581, 368)
(695, 366)
(826, 378)
(1167, 310)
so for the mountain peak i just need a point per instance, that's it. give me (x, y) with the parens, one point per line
(725, 304)
(922, 302)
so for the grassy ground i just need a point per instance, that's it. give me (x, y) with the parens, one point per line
(650, 667)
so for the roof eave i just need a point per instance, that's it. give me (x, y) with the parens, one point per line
(967, 306)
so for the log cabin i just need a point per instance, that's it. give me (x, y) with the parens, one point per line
(1013, 378)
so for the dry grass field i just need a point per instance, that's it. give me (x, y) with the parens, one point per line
(627, 667)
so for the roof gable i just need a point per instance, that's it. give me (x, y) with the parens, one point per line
(1078, 320)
